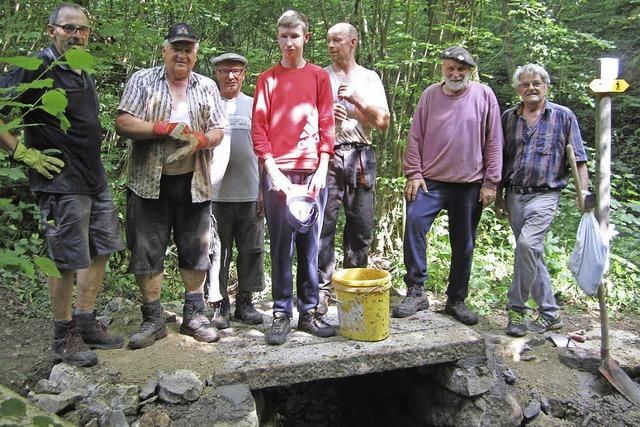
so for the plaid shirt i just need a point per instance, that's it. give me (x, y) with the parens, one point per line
(147, 97)
(535, 157)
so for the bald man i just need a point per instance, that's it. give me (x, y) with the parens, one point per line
(360, 106)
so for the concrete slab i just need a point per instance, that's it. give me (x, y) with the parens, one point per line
(243, 357)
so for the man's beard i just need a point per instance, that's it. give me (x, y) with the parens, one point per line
(456, 86)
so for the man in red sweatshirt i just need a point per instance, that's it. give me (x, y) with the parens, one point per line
(293, 135)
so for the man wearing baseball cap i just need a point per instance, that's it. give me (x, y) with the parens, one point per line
(453, 162)
(174, 118)
(237, 200)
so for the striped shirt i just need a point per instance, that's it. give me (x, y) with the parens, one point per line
(147, 97)
(535, 156)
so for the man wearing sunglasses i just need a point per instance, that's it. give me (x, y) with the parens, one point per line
(237, 200)
(78, 214)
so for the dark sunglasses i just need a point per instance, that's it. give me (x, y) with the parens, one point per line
(71, 29)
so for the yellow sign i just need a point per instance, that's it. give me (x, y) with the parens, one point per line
(604, 86)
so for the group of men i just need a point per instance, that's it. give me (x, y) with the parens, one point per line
(207, 165)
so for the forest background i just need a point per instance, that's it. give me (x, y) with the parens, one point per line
(401, 40)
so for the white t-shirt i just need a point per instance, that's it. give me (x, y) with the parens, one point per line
(366, 84)
(241, 179)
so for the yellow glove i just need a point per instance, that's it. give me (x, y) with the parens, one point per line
(42, 163)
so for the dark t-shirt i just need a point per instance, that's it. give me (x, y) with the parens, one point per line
(83, 172)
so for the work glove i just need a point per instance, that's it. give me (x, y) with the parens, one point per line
(35, 159)
(195, 141)
(174, 130)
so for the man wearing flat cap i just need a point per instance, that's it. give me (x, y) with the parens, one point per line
(237, 200)
(174, 118)
(452, 162)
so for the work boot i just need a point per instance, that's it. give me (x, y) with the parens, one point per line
(280, 327)
(196, 324)
(245, 311)
(416, 300)
(221, 314)
(94, 333)
(544, 324)
(323, 301)
(312, 322)
(517, 326)
(152, 327)
(68, 346)
(459, 310)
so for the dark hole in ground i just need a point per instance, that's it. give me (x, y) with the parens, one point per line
(378, 399)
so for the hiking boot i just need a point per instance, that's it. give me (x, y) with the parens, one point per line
(544, 324)
(196, 324)
(94, 333)
(245, 311)
(280, 327)
(323, 301)
(221, 314)
(416, 300)
(517, 326)
(460, 311)
(311, 322)
(72, 349)
(152, 327)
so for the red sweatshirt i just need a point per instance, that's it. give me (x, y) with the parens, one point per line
(293, 116)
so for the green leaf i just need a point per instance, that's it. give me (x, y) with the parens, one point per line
(64, 122)
(47, 266)
(13, 124)
(80, 59)
(36, 84)
(14, 174)
(26, 62)
(13, 407)
(11, 260)
(54, 102)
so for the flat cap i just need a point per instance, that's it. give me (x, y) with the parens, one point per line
(181, 32)
(459, 54)
(228, 57)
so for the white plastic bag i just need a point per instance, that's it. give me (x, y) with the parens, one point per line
(588, 260)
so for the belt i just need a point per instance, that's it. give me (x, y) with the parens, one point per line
(351, 146)
(531, 190)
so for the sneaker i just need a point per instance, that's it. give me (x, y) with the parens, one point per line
(152, 327)
(221, 314)
(245, 311)
(72, 349)
(517, 326)
(323, 301)
(415, 301)
(195, 323)
(460, 311)
(543, 324)
(94, 333)
(280, 327)
(311, 322)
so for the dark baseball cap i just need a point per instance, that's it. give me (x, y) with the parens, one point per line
(302, 212)
(228, 57)
(459, 54)
(181, 32)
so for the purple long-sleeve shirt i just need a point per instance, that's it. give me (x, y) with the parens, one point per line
(456, 138)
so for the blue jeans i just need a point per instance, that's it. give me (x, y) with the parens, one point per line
(283, 242)
(464, 210)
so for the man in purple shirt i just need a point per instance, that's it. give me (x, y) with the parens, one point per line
(453, 162)
(536, 134)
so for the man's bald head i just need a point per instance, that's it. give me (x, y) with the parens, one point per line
(346, 29)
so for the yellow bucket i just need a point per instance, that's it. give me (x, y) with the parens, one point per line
(363, 303)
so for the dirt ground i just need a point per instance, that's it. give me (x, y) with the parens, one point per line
(576, 397)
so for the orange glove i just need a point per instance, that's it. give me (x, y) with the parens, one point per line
(195, 141)
(174, 130)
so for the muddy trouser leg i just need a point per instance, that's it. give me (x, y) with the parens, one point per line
(249, 237)
(326, 251)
